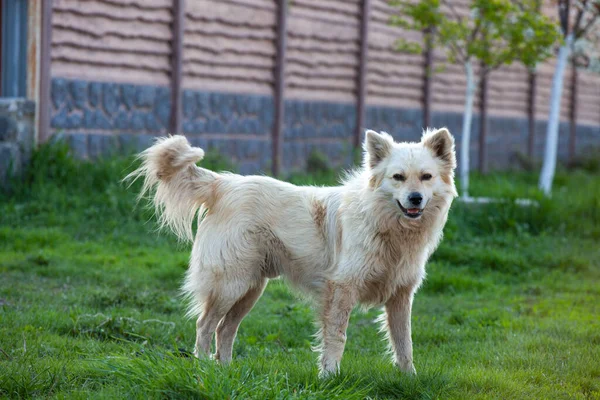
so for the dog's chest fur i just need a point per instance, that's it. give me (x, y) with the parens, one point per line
(396, 259)
(382, 251)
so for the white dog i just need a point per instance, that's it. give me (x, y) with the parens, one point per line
(366, 241)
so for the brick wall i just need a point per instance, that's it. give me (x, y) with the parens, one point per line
(111, 81)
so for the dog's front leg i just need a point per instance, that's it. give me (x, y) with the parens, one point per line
(339, 300)
(398, 309)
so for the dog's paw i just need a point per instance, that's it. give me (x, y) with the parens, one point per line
(328, 369)
(201, 355)
(407, 368)
(327, 374)
(221, 359)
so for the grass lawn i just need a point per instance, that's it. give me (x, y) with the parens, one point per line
(90, 308)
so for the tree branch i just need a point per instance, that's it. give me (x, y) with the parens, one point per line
(583, 31)
(475, 31)
(457, 50)
(579, 17)
(453, 11)
(563, 15)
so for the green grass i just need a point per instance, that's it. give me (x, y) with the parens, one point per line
(90, 308)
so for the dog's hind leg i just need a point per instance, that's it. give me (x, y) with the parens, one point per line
(227, 328)
(218, 303)
(206, 325)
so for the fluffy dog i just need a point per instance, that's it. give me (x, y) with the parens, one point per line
(366, 241)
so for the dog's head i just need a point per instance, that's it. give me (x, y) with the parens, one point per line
(412, 176)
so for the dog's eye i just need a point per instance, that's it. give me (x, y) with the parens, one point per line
(426, 177)
(399, 177)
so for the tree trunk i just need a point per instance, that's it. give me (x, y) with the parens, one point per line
(483, 96)
(550, 152)
(531, 115)
(573, 114)
(466, 133)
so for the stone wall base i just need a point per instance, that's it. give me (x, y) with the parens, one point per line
(101, 118)
(17, 118)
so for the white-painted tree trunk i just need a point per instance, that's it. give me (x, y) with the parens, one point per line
(466, 132)
(549, 165)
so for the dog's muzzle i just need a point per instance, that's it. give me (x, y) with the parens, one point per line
(413, 213)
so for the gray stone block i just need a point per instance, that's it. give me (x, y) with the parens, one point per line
(200, 126)
(121, 121)
(234, 126)
(198, 141)
(143, 141)
(253, 126)
(294, 132)
(152, 124)
(74, 121)
(8, 128)
(288, 152)
(79, 93)
(253, 148)
(59, 119)
(89, 119)
(127, 143)
(128, 96)
(95, 94)
(334, 150)
(267, 118)
(239, 102)
(102, 145)
(110, 98)
(240, 150)
(188, 127)
(78, 142)
(226, 107)
(58, 91)
(144, 96)
(203, 104)
(189, 104)
(162, 107)
(253, 104)
(27, 108)
(138, 121)
(94, 146)
(101, 121)
(215, 102)
(248, 167)
(110, 145)
(215, 125)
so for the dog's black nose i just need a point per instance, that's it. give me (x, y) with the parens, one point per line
(415, 198)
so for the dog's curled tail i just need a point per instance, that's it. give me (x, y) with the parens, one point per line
(178, 187)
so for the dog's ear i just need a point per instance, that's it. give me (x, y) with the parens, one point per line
(377, 147)
(441, 144)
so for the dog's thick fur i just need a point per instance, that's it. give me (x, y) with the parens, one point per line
(357, 243)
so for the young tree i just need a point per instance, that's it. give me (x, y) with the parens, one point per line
(494, 33)
(586, 16)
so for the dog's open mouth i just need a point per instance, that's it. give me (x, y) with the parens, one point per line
(410, 212)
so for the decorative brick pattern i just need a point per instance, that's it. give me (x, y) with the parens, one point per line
(83, 105)
(402, 124)
(227, 113)
(102, 118)
(317, 126)
(99, 119)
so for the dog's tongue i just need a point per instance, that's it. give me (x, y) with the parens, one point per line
(413, 210)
